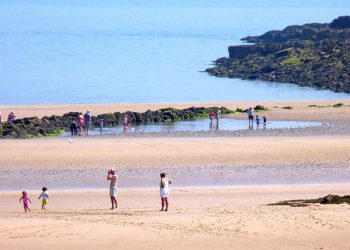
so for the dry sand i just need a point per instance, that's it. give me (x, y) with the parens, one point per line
(200, 218)
(206, 218)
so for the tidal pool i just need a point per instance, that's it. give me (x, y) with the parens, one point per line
(225, 124)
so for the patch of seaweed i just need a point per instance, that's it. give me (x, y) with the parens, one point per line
(329, 199)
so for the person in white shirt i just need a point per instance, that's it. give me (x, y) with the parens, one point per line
(45, 198)
(164, 191)
(251, 115)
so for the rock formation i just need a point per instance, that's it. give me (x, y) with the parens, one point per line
(54, 125)
(314, 55)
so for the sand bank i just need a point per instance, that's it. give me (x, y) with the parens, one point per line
(300, 108)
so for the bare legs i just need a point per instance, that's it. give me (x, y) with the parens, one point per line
(164, 202)
(114, 203)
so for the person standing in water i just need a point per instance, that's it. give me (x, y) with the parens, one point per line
(265, 121)
(164, 191)
(217, 115)
(250, 115)
(113, 178)
(73, 128)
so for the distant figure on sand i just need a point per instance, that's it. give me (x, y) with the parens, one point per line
(25, 199)
(264, 120)
(113, 177)
(11, 117)
(87, 121)
(164, 191)
(250, 115)
(44, 198)
(73, 128)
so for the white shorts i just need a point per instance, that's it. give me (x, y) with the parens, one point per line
(113, 190)
(164, 192)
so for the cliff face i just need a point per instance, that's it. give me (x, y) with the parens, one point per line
(315, 55)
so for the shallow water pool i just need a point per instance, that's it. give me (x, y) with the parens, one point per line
(225, 124)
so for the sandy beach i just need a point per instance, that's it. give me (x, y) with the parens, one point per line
(206, 218)
(223, 183)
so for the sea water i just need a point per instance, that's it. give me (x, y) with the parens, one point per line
(133, 51)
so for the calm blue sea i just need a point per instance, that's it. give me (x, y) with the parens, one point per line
(102, 51)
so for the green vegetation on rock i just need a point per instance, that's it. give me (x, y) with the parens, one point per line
(314, 55)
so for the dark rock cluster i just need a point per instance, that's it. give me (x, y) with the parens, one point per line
(314, 55)
(329, 199)
(53, 125)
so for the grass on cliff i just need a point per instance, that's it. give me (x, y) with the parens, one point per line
(293, 60)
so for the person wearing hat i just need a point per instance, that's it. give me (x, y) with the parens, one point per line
(113, 178)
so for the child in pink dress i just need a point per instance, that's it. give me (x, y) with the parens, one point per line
(25, 200)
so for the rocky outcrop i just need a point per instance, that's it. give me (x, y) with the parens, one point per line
(53, 125)
(315, 55)
(342, 22)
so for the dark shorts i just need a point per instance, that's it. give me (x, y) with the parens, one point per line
(251, 117)
(87, 125)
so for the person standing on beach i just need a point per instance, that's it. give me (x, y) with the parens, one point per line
(217, 115)
(113, 178)
(87, 121)
(80, 122)
(25, 199)
(164, 191)
(11, 117)
(250, 115)
(45, 198)
(73, 128)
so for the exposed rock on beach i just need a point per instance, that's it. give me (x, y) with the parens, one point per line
(53, 125)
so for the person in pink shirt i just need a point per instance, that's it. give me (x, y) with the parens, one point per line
(25, 199)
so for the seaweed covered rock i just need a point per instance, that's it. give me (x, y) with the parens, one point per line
(313, 55)
(52, 125)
